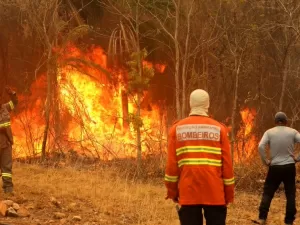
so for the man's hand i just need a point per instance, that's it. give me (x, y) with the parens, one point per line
(228, 202)
(268, 162)
(295, 159)
(175, 200)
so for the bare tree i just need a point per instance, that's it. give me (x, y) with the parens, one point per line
(200, 36)
(129, 39)
(292, 33)
(46, 20)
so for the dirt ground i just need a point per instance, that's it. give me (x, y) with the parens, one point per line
(102, 196)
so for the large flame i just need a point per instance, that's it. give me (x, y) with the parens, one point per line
(90, 113)
(246, 141)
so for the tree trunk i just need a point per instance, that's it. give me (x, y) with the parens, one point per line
(284, 81)
(186, 62)
(207, 72)
(138, 137)
(138, 113)
(125, 110)
(177, 63)
(51, 100)
(4, 65)
(234, 108)
(48, 102)
(56, 107)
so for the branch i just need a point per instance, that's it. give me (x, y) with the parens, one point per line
(72, 61)
(163, 27)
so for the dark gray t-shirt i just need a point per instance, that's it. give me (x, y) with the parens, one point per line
(281, 140)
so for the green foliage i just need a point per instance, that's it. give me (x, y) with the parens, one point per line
(135, 120)
(138, 79)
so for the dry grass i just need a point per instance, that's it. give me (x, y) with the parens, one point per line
(106, 197)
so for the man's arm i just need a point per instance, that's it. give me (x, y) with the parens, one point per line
(297, 137)
(227, 167)
(172, 171)
(297, 140)
(262, 148)
(13, 99)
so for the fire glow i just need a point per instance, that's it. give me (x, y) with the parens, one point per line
(90, 113)
(246, 140)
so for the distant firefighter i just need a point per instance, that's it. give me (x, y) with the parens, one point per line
(6, 141)
(199, 172)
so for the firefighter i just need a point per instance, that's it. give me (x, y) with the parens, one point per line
(6, 141)
(281, 167)
(199, 172)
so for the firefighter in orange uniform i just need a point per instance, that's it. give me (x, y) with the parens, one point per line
(6, 141)
(199, 172)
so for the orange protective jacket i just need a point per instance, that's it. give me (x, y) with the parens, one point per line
(199, 166)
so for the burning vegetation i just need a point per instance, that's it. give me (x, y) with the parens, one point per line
(117, 97)
(99, 110)
(91, 119)
(246, 146)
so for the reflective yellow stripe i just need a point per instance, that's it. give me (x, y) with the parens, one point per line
(200, 161)
(6, 175)
(5, 124)
(11, 104)
(205, 149)
(229, 181)
(171, 178)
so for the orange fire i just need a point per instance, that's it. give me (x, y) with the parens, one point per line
(90, 112)
(246, 144)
